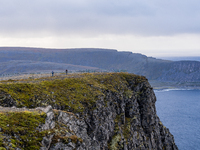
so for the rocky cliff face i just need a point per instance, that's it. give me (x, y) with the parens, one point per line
(123, 117)
(182, 71)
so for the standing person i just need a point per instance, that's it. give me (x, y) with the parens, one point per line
(66, 71)
(52, 73)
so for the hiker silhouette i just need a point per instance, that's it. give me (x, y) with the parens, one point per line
(52, 73)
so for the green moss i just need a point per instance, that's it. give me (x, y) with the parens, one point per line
(61, 137)
(120, 128)
(160, 123)
(114, 143)
(127, 128)
(128, 93)
(73, 94)
(21, 127)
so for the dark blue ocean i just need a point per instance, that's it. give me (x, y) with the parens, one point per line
(179, 110)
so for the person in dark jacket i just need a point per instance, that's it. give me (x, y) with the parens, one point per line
(66, 71)
(52, 73)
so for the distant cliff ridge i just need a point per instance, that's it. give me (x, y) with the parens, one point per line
(38, 59)
(182, 71)
(114, 111)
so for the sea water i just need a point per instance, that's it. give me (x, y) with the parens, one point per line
(179, 110)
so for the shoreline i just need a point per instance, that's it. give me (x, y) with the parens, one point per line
(172, 85)
(175, 89)
(162, 88)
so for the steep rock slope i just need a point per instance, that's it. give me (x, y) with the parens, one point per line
(96, 111)
(182, 71)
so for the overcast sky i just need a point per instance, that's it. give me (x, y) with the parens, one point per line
(150, 27)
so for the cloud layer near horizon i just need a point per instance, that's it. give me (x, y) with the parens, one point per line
(140, 17)
(94, 18)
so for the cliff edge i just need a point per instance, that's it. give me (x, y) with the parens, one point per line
(113, 111)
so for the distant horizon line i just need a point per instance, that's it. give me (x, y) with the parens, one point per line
(109, 49)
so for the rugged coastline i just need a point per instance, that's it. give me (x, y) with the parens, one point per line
(161, 85)
(88, 111)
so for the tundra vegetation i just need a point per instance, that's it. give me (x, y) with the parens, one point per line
(72, 93)
(117, 109)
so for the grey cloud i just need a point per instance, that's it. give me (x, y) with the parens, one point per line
(142, 17)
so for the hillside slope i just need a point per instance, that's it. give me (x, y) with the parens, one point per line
(26, 66)
(114, 111)
(111, 60)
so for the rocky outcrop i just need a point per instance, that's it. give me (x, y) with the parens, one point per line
(123, 124)
(126, 124)
(118, 120)
(6, 100)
